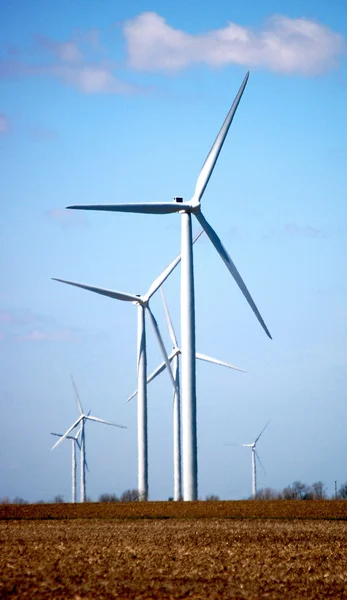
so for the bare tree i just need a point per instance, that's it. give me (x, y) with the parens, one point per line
(58, 499)
(130, 496)
(212, 498)
(108, 498)
(267, 494)
(342, 493)
(318, 491)
(19, 500)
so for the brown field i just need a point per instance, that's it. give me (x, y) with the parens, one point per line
(269, 549)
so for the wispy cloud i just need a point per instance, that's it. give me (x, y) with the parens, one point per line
(285, 45)
(38, 335)
(308, 231)
(42, 134)
(5, 125)
(67, 218)
(19, 317)
(79, 63)
(24, 325)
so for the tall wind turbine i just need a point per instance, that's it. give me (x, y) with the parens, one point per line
(81, 421)
(142, 302)
(255, 457)
(186, 209)
(174, 359)
(75, 442)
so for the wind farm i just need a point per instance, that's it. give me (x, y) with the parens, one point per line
(186, 209)
(80, 423)
(186, 167)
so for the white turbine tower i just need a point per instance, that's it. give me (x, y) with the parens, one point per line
(186, 209)
(142, 302)
(255, 457)
(75, 442)
(174, 359)
(81, 421)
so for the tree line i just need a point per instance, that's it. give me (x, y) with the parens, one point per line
(296, 491)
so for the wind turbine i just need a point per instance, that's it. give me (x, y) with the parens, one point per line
(186, 209)
(75, 442)
(255, 456)
(81, 421)
(142, 302)
(174, 359)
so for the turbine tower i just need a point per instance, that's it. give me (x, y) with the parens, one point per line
(174, 359)
(142, 303)
(186, 209)
(75, 442)
(255, 457)
(81, 421)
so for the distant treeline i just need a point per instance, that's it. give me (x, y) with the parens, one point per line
(296, 491)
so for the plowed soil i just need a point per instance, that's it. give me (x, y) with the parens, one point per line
(170, 550)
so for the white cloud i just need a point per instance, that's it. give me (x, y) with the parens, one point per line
(38, 335)
(66, 218)
(285, 45)
(4, 124)
(89, 78)
(79, 63)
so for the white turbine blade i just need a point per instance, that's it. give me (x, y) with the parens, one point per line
(154, 208)
(165, 274)
(212, 157)
(261, 433)
(169, 321)
(218, 362)
(104, 292)
(161, 344)
(231, 267)
(79, 432)
(258, 458)
(67, 432)
(68, 437)
(79, 404)
(243, 445)
(91, 418)
(155, 373)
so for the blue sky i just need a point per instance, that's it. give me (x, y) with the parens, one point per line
(105, 103)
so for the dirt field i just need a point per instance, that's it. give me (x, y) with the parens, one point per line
(174, 550)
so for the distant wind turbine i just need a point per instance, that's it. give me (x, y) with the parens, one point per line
(142, 302)
(255, 457)
(174, 358)
(75, 442)
(81, 421)
(186, 209)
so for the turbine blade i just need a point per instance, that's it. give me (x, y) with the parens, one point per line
(79, 404)
(231, 267)
(161, 345)
(212, 157)
(243, 445)
(68, 437)
(218, 362)
(155, 373)
(67, 432)
(169, 321)
(91, 418)
(165, 274)
(261, 433)
(258, 458)
(104, 292)
(154, 208)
